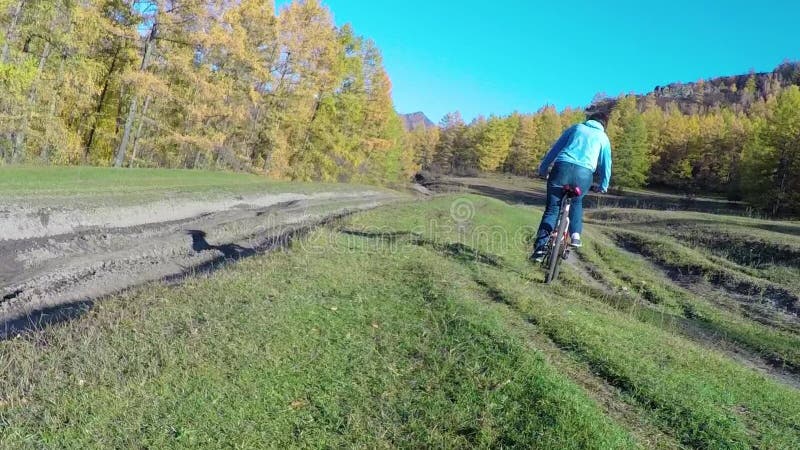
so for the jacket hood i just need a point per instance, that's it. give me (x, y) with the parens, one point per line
(594, 124)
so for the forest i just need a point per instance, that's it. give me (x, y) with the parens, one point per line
(740, 140)
(196, 84)
(237, 85)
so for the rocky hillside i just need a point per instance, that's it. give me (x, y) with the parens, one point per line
(415, 120)
(737, 91)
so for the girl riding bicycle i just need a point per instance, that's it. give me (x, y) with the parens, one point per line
(582, 151)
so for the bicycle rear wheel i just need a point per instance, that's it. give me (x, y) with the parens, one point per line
(555, 261)
(557, 250)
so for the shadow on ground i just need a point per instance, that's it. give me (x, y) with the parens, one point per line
(40, 319)
(455, 250)
(229, 251)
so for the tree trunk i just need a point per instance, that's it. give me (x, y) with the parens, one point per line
(783, 172)
(6, 152)
(99, 109)
(250, 140)
(197, 159)
(46, 150)
(139, 131)
(126, 134)
(317, 105)
(119, 159)
(20, 136)
(12, 30)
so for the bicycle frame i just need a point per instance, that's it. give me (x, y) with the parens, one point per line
(558, 244)
(564, 216)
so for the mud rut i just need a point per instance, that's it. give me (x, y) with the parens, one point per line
(689, 328)
(45, 278)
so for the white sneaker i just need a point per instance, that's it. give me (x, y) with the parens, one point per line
(575, 240)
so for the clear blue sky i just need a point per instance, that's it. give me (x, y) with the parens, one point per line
(497, 57)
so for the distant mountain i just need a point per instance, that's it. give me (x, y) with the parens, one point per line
(737, 91)
(416, 120)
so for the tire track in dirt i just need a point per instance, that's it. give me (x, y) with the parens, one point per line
(44, 276)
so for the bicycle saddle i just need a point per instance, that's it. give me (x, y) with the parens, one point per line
(572, 191)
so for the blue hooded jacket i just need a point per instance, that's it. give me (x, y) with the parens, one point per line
(586, 145)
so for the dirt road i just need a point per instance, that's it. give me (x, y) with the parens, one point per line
(52, 257)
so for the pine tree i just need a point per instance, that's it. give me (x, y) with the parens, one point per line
(451, 139)
(628, 135)
(548, 124)
(571, 116)
(493, 144)
(520, 160)
(772, 158)
(423, 142)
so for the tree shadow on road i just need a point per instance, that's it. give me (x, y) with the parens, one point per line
(38, 320)
(229, 251)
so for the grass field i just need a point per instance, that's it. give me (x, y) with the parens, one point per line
(423, 325)
(517, 189)
(98, 181)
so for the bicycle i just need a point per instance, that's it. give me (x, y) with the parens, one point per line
(558, 245)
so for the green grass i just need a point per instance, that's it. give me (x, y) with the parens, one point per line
(749, 266)
(338, 343)
(18, 181)
(638, 282)
(695, 393)
(524, 183)
(400, 327)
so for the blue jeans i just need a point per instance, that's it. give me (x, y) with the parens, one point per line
(563, 173)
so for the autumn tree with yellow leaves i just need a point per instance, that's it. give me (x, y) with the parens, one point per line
(187, 83)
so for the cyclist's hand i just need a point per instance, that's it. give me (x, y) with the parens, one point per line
(597, 189)
(542, 175)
